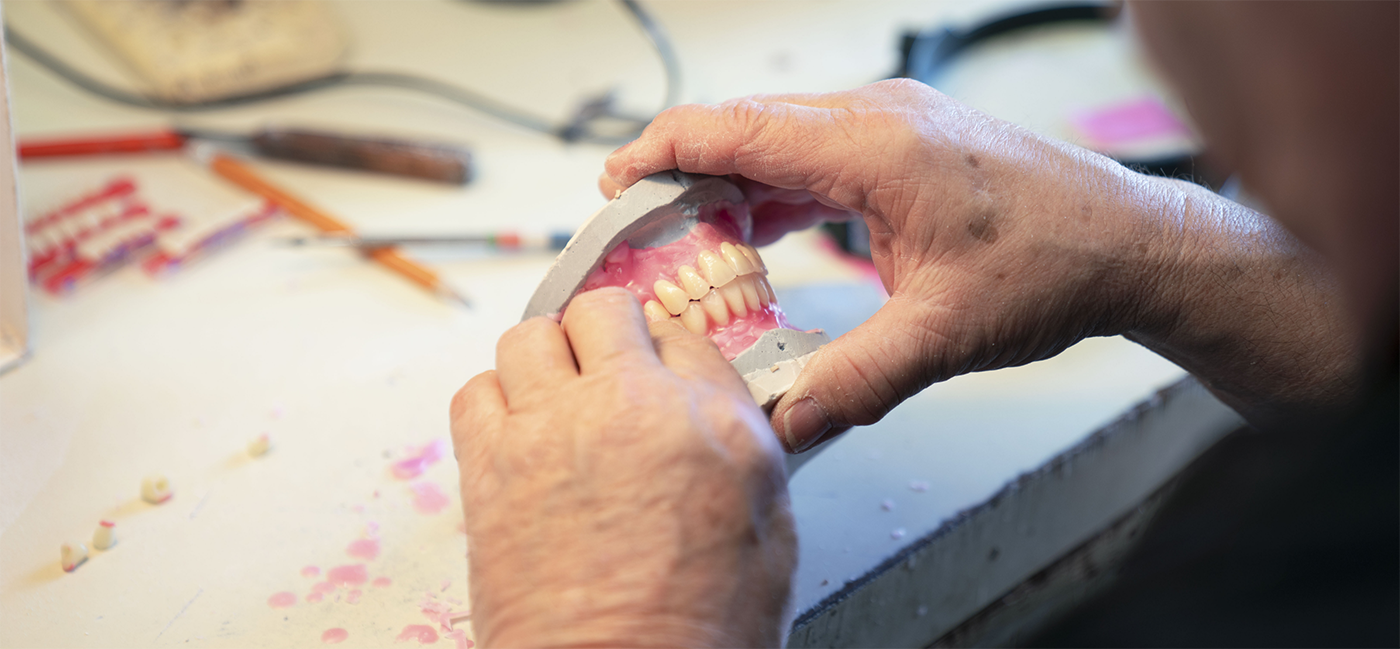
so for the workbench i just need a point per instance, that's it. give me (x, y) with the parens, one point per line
(927, 524)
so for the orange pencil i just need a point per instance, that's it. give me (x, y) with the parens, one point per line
(243, 176)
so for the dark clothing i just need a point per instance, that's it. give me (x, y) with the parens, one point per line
(1279, 538)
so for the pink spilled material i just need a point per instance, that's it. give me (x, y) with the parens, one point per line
(412, 467)
(366, 549)
(334, 636)
(382, 582)
(423, 633)
(282, 600)
(310, 571)
(638, 269)
(353, 597)
(428, 498)
(351, 575)
(315, 597)
(460, 637)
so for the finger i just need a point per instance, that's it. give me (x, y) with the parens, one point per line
(693, 356)
(474, 408)
(608, 187)
(606, 329)
(533, 356)
(784, 145)
(858, 378)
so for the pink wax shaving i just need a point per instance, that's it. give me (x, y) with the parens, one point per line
(382, 582)
(427, 456)
(1130, 121)
(460, 637)
(282, 600)
(334, 636)
(423, 633)
(351, 575)
(366, 549)
(638, 269)
(323, 587)
(353, 597)
(315, 597)
(310, 571)
(428, 498)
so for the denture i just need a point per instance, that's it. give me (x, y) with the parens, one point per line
(679, 243)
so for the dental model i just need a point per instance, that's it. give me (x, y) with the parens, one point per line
(104, 536)
(155, 489)
(259, 446)
(72, 555)
(679, 242)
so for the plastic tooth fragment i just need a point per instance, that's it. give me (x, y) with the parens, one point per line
(714, 270)
(72, 555)
(155, 489)
(655, 312)
(749, 287)
(104, 536)
(714, 306)
(756, 260)
(671, 296)
(734, 297)
(695, 286)
(736, 260)
(693, 319)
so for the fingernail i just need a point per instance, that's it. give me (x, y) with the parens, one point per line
(804, 423)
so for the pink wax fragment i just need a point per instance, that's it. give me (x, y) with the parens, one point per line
(382, 582)
(310, 571)
(428, 498)
(334, 636)
(323, 587)
(358, 509)
(415, 465)
(366, 549)
(282, 600)
(315, 597)
(353, 597)
(423, 633)
(460, 637)
(351, 575)
(1133, 120)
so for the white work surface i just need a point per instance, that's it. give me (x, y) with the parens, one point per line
(348, 367)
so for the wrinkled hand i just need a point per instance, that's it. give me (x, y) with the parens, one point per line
(620, 489)
(992, 242)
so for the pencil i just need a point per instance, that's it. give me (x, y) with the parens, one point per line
(243, 176)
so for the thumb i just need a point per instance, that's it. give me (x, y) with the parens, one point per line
(858, 378)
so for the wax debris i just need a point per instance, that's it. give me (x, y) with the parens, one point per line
(419, 462)
(259, 446)
(423, 633)
(155, 489)
(72, 555)
(282, 599)
(310, 571)
(349, 575)
(428, 498)
(334, 636)
(366, 549)
(353, 597)
(382, 582)
(459, 636)
(104, 536)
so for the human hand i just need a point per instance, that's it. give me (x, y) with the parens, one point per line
(996, 245)
(620, 488)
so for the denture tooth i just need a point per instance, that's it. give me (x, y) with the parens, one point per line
(749, 286)
(693, 319)
(671, 296)
(72, 555)
(736, 260)
(752, 254)
(765, 292)
(714, 306)
(695, 286)
(714, 270)
(654, 311)
(734, 297)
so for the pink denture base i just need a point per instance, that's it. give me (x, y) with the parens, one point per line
(637, 269)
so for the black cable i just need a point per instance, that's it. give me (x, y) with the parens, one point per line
(578, 130)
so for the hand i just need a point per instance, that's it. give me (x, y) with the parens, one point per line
(620, 488)
(997, 247)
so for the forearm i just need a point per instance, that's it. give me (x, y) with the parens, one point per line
(1239, 303)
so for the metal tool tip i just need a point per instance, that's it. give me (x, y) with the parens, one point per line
(454, 296)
